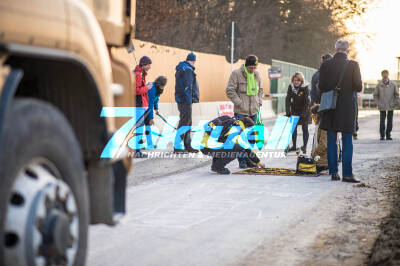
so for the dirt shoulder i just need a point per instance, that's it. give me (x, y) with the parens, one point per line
(365, 230)
(343, 228)
(386, 250)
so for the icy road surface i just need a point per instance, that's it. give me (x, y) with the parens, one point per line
(201, 218)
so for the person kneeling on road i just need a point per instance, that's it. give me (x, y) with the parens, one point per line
(223, 156)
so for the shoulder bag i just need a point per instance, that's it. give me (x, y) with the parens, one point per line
(329, 98)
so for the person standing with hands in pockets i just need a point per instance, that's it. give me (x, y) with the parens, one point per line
(186, 93)
(386, 96)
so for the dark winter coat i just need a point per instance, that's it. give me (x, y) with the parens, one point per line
(315, 92)
(186, 86)
(343, 118)
(226, 122)
(298, 104)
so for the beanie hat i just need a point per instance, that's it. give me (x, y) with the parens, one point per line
(161, 81)
(145, 60)
(191, 57)
(251, 60)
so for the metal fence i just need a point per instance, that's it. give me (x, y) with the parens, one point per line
(279, 86)
(366, 99)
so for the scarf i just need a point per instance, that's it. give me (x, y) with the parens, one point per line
(295, 89)
(386, 82)
(252, 88)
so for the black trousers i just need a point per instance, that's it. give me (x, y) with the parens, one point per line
(389, 123)
(304, 128)
(185, 119)
(221, 157)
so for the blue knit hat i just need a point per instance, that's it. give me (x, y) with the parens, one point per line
(145, 60)
(191, 57)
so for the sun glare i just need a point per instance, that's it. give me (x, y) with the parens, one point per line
(377, 40)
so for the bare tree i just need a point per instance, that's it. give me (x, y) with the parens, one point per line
(293, 30)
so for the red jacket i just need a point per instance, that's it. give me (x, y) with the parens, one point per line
(142, 99)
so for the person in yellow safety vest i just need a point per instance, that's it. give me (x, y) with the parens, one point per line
(229, 132)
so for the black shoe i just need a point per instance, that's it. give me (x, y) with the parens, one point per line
(222, 171)
(140, 155)
(350, 179)
(180, 151)
(292, 149)
(242, 165)
(355, 137)
(304, 149)
(335, 177)
(388, 138)
(382, 138)
(191, 150)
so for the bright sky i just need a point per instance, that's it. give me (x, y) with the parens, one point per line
(378, 39)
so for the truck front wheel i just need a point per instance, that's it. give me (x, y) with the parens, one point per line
(44, 204)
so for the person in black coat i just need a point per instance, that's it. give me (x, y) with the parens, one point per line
(298, 104)
(342, 119)
(315, 92)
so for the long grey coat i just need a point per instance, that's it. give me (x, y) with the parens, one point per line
(343, 118)
(386, 96)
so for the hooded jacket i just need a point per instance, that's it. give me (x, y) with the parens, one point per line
(227, 123)
(153, 100)
(186, 86)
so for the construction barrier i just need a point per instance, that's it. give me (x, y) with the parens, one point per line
(212, 70)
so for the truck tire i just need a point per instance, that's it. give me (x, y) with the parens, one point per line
(44, 199)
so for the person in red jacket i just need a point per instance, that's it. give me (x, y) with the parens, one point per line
(141, 89)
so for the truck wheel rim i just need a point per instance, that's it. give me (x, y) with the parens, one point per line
(42, 223)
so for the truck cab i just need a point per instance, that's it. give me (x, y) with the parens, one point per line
(57, 72)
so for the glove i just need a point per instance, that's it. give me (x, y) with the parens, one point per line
(261, 165)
